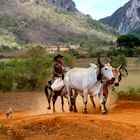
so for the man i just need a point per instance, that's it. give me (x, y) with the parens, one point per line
(58, 67)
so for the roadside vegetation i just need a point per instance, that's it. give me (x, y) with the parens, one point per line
(30, 72)
(131, 94)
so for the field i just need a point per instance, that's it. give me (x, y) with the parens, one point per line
(32, 120)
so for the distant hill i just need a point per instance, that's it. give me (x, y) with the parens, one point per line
(126, 19)
(48, 22)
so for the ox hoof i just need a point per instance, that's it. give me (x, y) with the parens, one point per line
(71, 109)
(85, 112)
(75, 111)
(94, 106)
(104, 113)
(48, 108)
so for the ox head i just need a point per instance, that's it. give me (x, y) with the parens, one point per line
(105, 71)
(119, 72)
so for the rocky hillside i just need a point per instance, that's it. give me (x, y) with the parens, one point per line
(126, 19)
(68, 5)
(47, 22)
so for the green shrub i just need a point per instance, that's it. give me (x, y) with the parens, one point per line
(127, 96)
(27, 73)
(132, 90)
(6, 82)
(128, 41)
(5, 48)
(68, 59)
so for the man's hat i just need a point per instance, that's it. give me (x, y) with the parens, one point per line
(57, 56)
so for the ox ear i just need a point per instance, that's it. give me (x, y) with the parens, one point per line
(99, 62)
(124, 72)
(93, 65)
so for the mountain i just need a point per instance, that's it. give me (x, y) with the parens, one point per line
(68, 5)
(48, 22)
(126, 19)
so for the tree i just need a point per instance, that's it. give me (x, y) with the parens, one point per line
(128, 41)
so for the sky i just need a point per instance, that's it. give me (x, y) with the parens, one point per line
(99, 8)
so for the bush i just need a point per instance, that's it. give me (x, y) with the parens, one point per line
(6, 82)
(127, 96)
(128, 41)
(132, 90)
(5, 48)
(68, 59)
(27, 73)
(74, 52)
(37, 68)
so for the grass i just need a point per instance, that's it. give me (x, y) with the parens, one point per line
(133, 80)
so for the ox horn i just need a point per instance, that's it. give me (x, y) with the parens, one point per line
(120, 66)
(110, 60)
(122, 70)
(99, 61)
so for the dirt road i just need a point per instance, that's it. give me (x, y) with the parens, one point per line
(121, 123)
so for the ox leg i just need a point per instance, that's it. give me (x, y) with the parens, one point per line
(54, 98)
(62, 102)
(74, 100)
(49, 103)
(85, 98)
(102, 103)
(105, 93)
(70, 99)
(92, 100)
(105, 100)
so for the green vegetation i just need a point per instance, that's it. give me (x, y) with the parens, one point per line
(133, 94)
(99, 26)
(29, 72)
(93, 52)
(39, 24)
(128, 41)
(11, 31)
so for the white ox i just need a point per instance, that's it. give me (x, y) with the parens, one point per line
(89, 81)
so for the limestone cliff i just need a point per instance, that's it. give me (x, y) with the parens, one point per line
(126, 18)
